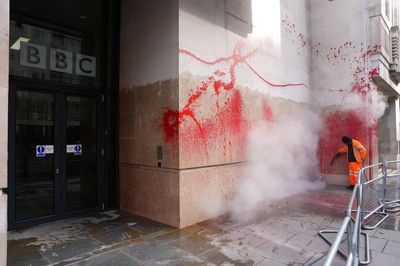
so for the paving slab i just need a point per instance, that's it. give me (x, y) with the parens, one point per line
(177, 257)
(319, 259)
(272, 232)
(311, 243)
(218, 257)
(146, 250)
(71, 249)
(115, 236)
(392, 248)
(34, 259)
(283, 254)
(147, 227)
(193, 244)
(387, 234)
(282, 233)
(376, 244)
(171, 236)
(380, 259)
(110, 258)
(238, 239)
(20, 246)
(269, 262)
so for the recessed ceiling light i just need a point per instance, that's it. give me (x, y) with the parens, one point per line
(83, 17)
(17, 44)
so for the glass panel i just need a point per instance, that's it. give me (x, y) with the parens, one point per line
(34, 191)
(81, 140)
(63, 41)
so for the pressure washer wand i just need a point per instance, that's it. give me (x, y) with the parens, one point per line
(334, 158)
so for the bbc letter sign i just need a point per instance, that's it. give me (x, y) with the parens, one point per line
(34, 55)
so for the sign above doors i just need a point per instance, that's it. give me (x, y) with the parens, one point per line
(35, 55)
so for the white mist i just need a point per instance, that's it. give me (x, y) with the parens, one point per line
(283, 161)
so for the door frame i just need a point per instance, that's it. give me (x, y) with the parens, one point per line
(60, 92)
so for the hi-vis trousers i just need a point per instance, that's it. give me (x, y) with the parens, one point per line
(354, 169)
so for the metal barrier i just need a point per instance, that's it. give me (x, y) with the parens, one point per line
(392, 194)
(376, 194)
(352, 232)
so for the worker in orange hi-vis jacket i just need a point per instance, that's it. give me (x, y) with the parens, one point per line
(356, 153)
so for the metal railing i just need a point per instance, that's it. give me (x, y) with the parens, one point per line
(376, 194)
(352, 232)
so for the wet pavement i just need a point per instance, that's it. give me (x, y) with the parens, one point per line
(283, 233)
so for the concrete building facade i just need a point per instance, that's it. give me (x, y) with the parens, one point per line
(192, 80)
(249, 61)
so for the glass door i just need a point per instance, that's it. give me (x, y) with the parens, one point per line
(56, 155)
(35, 183)
(81, 152)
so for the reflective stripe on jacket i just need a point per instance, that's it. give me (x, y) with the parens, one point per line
(360, 152)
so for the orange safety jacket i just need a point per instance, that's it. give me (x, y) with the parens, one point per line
(360, 152)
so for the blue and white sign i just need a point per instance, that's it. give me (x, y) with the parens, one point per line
(40, 151)
(78, 149)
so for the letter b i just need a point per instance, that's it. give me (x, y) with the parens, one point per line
(60, 60)
(32, 55)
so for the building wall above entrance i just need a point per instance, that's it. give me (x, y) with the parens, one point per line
(62, 41)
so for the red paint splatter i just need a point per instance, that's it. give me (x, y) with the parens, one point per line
(375, 49)
(373, 72)
(362, 77)
(302, 40)
(338, 124)
(173, 119)
(272, 84)
(267, 112)
(170, 124)
(290, 28)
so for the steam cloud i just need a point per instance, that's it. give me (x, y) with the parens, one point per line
(283, 155)
(376, 102)
(283, 160)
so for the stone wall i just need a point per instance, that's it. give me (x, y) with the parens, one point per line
(148, 84)
(4, 51)
(198, 76)
(343, 51)
(247, 61)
